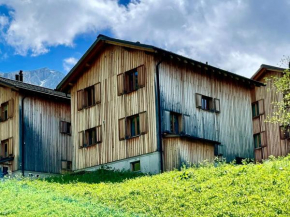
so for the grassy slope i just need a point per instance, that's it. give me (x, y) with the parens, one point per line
(226, 190)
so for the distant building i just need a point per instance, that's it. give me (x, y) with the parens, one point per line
(34, 129)
(269, 138)
(138, 107)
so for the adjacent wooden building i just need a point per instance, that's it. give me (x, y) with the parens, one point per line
(269, 138)
(138, 107)
(35, 130)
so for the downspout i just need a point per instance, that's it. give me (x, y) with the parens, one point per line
(22, 134)
(159, 115)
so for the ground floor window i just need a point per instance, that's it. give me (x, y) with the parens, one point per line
(135, 166)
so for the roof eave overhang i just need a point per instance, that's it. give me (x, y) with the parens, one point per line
(84, 62)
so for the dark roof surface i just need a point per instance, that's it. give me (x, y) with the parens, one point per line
(32, 88)
(150, 48)
(265, 67)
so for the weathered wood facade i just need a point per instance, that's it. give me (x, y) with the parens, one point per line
(267, 135)
(201, 106)
(9, 129)
(31, 138)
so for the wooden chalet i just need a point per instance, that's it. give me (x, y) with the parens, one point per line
(34, 129)
(139, 107)
(269, 138)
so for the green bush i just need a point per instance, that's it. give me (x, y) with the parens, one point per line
(205, 190)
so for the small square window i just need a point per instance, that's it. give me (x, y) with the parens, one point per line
(136, 166)
(174, 122)
(255, 109)
(257, 140)
(66, 165)
(133, 124)
(65, 127)
(206, 103)
(4, 111)
(132, 80)
(90, 137)
(4, 149)
(90, 96)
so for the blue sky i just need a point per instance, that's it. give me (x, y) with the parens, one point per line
(236, 35)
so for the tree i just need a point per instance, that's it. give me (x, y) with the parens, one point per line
(281, 85)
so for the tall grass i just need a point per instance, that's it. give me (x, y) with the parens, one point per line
(207, 190)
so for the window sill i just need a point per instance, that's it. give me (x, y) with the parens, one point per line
(68, 134)
(212, 111)
(88, 146)
(132, 137)
(5, 120)
(89, 106)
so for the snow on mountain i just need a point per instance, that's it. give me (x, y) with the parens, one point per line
(43, 77)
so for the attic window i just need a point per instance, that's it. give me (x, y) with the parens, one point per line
(207, 103)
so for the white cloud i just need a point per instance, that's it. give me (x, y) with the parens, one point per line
(37, 24)
(234, 35)
(68, 63)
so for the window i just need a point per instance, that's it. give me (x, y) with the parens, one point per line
(133, 126)
(207, 103)
(89, 96)
(131, 80)
(7, 110)
(258, 108)
(135, 166)
(66, 165)
(4, 111)
(284, 132)
(257, 141)
(90, 137)
(255, 109)
(65, 127)
(6, 149)
(174, 123)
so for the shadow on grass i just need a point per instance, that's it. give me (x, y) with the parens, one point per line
(101, 175)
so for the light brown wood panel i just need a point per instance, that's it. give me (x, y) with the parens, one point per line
(115, 105)
(256, 125)
(275, 146)
(178, 151)
(9, 129)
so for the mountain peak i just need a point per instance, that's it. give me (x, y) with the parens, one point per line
(44, 77)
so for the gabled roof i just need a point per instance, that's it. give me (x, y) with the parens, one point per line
(18, 85)
(86, 59)
(263, 68)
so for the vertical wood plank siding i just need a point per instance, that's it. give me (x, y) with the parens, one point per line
(10, 129)
(271, 142)
(114, 106)
(179, 151)
(45, 146)
(181, 83)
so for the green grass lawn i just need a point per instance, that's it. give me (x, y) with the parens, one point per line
(224, 190)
